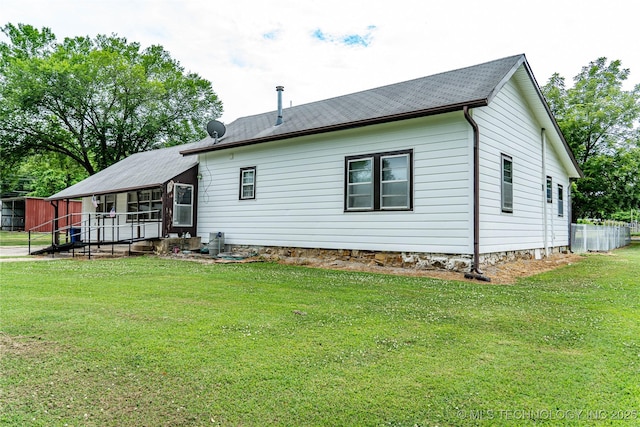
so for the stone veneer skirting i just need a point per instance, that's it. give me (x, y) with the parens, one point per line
(419, 261)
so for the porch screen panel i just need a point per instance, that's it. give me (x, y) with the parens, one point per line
(156, 204)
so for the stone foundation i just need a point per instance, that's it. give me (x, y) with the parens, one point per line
(496, 258)
(410, 260)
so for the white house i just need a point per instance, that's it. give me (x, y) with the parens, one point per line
(451, 170)
(460, 165)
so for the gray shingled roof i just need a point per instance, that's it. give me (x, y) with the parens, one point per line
(472, 86)
(141, 170)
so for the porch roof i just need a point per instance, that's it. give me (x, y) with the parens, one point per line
(141, 170)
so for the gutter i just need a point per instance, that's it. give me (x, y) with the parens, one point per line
(102, 192)
(475, 272)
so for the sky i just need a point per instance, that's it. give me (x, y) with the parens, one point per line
(318, 49)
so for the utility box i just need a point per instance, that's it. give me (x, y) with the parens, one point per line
(216, 243)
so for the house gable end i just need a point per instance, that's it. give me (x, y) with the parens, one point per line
(524, 79)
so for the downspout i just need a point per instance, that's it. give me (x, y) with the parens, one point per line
(570, 215)
(544, 192)
(475, 272)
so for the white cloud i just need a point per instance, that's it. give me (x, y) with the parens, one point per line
(247, 47)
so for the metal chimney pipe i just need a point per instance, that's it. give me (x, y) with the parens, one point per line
(279, 89)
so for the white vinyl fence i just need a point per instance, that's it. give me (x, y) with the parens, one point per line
(598, 238)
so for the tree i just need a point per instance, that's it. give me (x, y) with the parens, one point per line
(95, 101)
(599, 120)
(50, 173)
(611, 184)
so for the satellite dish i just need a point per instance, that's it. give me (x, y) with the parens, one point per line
(216, 129)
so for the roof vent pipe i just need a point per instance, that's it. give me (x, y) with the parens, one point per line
(279, 89)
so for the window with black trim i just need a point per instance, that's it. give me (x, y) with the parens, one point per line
(549, 190)
(560, 200)
(144, 205)
(507, 184)
(379, 182)
(248, 183)
(183, 205)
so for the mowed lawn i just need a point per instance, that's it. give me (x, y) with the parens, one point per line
(159, 342)
(19, 238)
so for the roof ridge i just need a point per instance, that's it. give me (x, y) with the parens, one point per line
(415, 79)
(473, 86)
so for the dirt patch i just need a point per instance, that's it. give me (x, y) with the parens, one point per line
(511, 271)
(23, 346)
(504, 273)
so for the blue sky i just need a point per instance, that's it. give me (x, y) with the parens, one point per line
(353, 39)
(320, 49)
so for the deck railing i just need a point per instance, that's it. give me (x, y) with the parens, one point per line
(89, 229)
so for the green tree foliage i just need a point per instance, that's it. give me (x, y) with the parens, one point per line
(50, 173)
(611, 184)
(94, 101)
(599, 120)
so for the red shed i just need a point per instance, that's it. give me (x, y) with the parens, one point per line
(36, 214)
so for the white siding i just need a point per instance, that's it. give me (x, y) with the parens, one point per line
(508, 127)
(558, 227)
(300, 191)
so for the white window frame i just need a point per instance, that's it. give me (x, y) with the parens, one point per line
(506, 188)
(246, 185)
(178, 206)
(560, 200)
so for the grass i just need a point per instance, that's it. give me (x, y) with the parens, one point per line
(150, 341)
(14, 238)
(21, 238)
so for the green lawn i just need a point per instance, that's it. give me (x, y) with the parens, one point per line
(158, 342)
(21, 238)
(14, 238)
